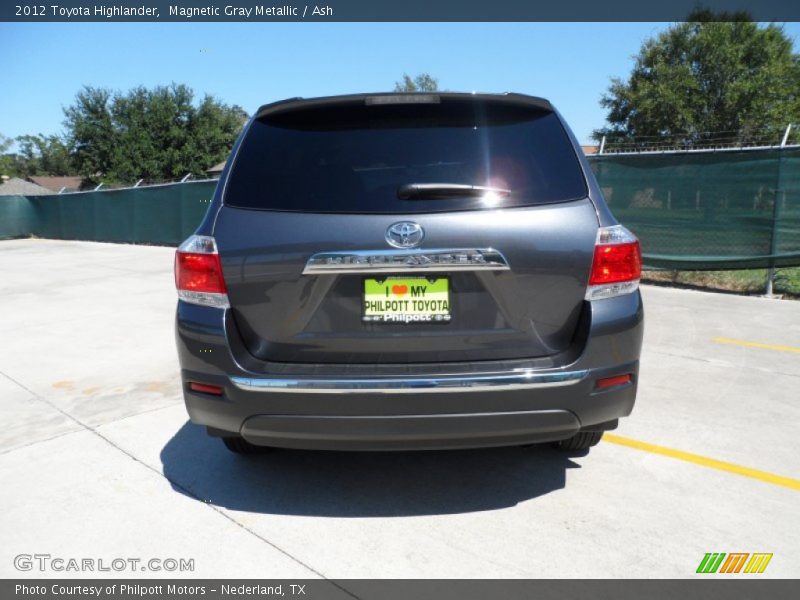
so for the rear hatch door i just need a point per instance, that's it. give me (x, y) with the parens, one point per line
(328, 260)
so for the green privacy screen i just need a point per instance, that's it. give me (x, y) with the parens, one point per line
(709, 210)
(16, 216)
(161, 214)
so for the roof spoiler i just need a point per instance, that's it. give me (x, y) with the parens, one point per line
(394, 98)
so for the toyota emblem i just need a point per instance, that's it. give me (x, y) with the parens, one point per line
(405, 234)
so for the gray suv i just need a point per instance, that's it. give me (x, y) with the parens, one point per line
(408, 271)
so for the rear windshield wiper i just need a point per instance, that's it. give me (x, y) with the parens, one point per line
(442, 191)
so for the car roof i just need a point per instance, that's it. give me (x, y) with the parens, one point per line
(298, 103)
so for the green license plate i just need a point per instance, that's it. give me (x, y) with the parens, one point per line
(407, 299)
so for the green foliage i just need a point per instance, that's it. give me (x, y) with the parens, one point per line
(703, 77)
(421, 83)
(9, 165)
(44, 155)
(749, 281)
(90, 131)
(8, 162)
(156, 134)
(36, 155)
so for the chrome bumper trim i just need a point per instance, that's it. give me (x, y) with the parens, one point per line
(393, 261)
(521, 379)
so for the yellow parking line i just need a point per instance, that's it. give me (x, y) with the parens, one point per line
(778, 347)
(788, 482)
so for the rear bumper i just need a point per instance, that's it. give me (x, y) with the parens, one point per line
(410, 432)
(409, 418)
(450, 406)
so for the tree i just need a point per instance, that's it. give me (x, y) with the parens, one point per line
(421, 83)
(5, 143)
(704, 80)
(90, 131)
(156, 134)
(36, 155)
(44, 155)
(8, 161)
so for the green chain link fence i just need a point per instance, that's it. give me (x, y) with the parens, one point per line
(160, 214)
(692, 211)
(708, 210)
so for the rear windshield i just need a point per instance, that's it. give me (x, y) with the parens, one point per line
(354, 159)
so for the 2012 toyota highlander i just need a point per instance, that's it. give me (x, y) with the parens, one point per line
(408, 271)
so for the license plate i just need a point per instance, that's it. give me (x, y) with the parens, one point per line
(407, 299)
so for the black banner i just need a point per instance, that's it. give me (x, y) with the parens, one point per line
(375, 10)
(711, 588)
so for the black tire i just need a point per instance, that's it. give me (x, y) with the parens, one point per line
(582, 440)
(239, 445)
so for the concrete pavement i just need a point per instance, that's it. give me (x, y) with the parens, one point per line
(98, 460)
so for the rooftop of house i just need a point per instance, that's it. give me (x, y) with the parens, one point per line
(216, 169)
(68, 183)
(15, 186)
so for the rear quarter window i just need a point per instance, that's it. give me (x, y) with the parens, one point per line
(353, 158)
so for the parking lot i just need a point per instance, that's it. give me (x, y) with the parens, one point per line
(98, 459)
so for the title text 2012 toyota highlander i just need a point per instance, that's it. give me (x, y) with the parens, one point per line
(408, 271)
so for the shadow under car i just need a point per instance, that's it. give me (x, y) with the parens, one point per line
(360, 484)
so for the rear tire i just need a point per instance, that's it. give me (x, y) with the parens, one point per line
(582, 440)
(239, 445)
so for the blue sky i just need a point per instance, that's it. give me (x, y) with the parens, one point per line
(250, 64)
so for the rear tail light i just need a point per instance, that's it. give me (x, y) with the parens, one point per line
(198, 273)
(617, 264)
